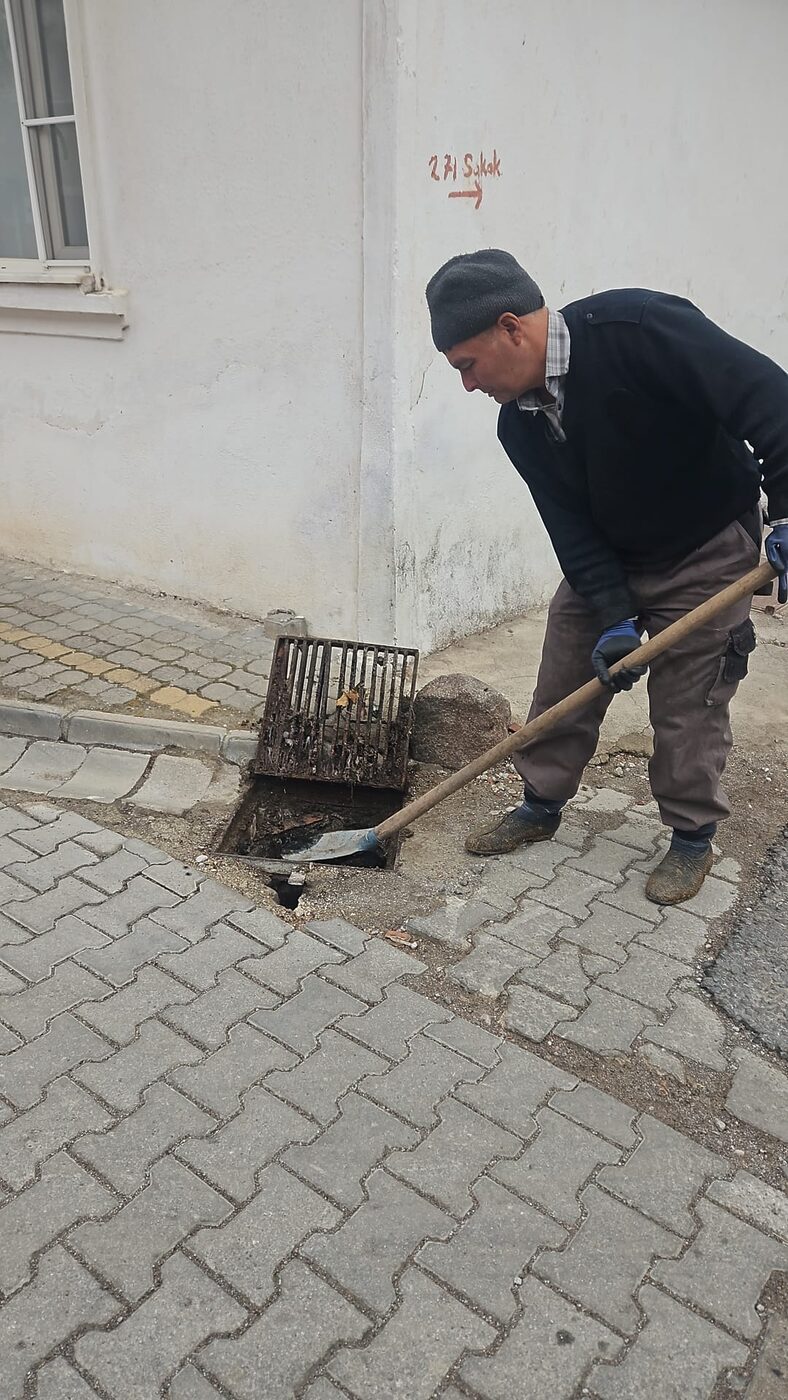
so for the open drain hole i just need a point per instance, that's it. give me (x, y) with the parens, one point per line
(276, 817)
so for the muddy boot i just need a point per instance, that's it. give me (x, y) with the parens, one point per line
(680, 873)
(513, 830)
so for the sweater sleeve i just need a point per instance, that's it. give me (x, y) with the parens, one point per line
(695, 362)
(588, 563)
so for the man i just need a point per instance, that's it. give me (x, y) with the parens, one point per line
(628, 416)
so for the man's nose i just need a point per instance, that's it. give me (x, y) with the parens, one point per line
(469, 381)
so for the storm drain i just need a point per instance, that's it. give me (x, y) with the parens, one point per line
(332, 753)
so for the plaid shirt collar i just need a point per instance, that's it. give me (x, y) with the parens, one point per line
(556, 368)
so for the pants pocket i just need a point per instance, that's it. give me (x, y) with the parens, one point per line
(733, 664)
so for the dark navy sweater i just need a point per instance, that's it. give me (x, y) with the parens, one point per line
(659, 402)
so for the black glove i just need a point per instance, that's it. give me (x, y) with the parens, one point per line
(614, 643)
(776, 546)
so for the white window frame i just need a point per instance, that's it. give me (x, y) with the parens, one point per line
(81, 271)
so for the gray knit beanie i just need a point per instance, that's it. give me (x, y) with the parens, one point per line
(469, 293)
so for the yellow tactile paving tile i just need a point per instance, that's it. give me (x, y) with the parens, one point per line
(185, 702)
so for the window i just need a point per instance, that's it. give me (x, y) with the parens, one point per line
(42, 209)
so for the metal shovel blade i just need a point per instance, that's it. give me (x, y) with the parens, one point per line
(336, 844)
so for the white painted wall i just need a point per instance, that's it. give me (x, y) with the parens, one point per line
(276, 428)
(641, 144)
(215, 451)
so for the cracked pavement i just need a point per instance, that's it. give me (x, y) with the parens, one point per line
(244, 1159)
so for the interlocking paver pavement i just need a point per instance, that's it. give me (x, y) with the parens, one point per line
(245, 1162)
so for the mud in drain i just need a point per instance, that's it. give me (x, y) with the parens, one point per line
(274, 818)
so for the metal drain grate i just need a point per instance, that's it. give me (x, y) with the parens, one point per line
(338, 712)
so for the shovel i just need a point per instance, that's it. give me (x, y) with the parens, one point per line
(338, 844)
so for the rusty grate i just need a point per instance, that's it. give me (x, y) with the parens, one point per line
(338, 712)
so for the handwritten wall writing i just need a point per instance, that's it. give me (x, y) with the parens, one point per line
(450, 168)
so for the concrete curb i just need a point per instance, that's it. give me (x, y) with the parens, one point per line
(31, 721)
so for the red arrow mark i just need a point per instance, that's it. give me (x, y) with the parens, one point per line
(468, 194)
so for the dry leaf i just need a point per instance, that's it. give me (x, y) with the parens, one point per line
(348, 697)
(400, 937)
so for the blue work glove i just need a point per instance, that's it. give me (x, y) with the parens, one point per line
(614, 643)
(777, 553)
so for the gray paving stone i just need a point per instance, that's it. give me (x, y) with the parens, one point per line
(44, 767)
(105, 776)
(57, 1380)
(324, 1389)
(233, 1156)
(339, 934)
(14, 820)
(40, 912)
(12, 854)
(759, 1095)
(28, 1139)
(532, 1013)
(36, 958)
(493, 1247)
(371, 1247)
(337, 1161)
(63, 1194)
(556, 1165)
(646, 977)
(663, 1062)
(10, 751)
(284, 969)
(56, 827)
(630, 898)
(489, 966)
(693, 1030)
(771, 1366)
(725, 1269)
(29, 1012)
(118, 961)
(133, 1361)
(454, 921)
(275, 1355)
(102, 843)
(752, 1198)
(680, 935)
(141, 898)
(716, 897)
(249, 1249)
(26, 1072)
(609, 1025)
(115, 871)
(447, 1162)
(547, 1352)
(642, 834)
(467, 1039)
(119, 1015)
(174, 785)
(219, 1080)
(121, 1079)
(125, 1153)
(504, 883)
(532, 928)
(192, 917)
(607, 932)
(176, 877)
(199, 964)
(301, 1020)
(261, 925)
(412, 1353)
(368, 975)
(606, 859)
(513, 1091)
(190, 1385)
(608, 1258)
(414, 1087)
(560, 975)
(572, 892)
(317, 1084)
(542, 858)
(62, 1298)
(389, 1026)
(126, 1249)
(664, 1175)
(208, 1018)
(677, 1353)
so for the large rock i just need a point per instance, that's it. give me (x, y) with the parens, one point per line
(456, 719)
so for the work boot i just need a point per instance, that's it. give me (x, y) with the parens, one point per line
(679, 874)
(513, 830)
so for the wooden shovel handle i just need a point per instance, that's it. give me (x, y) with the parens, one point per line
(677, 631)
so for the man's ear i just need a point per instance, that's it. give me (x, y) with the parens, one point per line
(511, 326)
